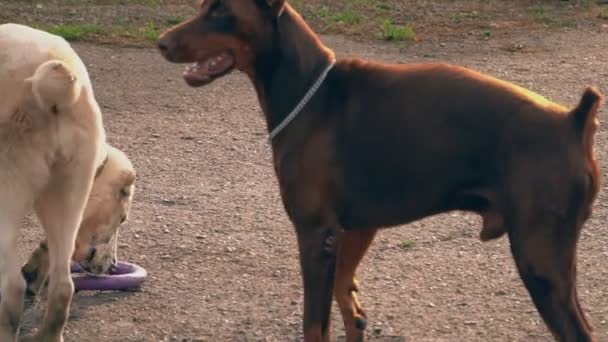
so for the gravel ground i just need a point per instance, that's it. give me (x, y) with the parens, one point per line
(208, 225)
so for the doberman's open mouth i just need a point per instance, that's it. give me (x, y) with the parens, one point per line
(205, 71)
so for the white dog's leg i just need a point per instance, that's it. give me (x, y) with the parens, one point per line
(115, 247)
(60, 211)
(12, 284)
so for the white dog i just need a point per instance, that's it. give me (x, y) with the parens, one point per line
(51, 142)
(108, 207)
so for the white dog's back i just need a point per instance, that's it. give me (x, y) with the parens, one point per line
(27, 82)
(22, 50)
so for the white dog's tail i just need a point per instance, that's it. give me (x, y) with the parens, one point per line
(55, 85)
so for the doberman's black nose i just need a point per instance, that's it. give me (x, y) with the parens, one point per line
(165, 45)
(162, 46)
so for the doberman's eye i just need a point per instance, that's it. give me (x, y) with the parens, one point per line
(218, 9)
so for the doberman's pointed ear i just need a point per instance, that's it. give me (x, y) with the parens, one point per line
(275, 6)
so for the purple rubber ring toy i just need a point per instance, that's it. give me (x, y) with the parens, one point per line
(124, 276)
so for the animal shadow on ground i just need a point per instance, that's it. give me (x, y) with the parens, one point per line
(377, 338)
(82, 302)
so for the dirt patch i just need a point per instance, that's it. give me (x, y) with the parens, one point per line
(208, 225)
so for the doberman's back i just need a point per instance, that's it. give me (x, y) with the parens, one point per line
(414, 139)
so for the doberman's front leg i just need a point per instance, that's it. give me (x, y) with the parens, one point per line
(317, 247)
(352, 246)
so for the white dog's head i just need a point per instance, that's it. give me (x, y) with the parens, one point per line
(108, 207)
(55, 85)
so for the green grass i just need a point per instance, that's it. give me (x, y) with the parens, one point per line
(538, 12)
(393, 32)
(540, 15)
(450, 236)
(174, 21)
(117, 30)
(73, 32)
(348, 17)
(462, 16)
(345, 17)
(407, 244)
(151, 33)
(383, 5)
(603, 13)
(366, 19)
(363, 18)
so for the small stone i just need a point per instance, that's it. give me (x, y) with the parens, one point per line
(470, 323)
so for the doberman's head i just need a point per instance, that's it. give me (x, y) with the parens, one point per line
(225, 35)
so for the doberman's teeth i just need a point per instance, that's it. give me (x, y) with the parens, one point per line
(193, 68)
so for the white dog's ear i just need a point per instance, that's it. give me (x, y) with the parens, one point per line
(32, 82)
(54, 84)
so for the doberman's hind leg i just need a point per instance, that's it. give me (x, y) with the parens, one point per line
(317, 246)
(546, 260)
(352, 246)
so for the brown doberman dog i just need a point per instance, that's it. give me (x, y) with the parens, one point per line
(360, 145)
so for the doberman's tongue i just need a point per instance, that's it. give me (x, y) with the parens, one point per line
(204, 71)
(220, 63)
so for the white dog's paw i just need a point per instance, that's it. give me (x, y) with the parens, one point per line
(55, 85)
